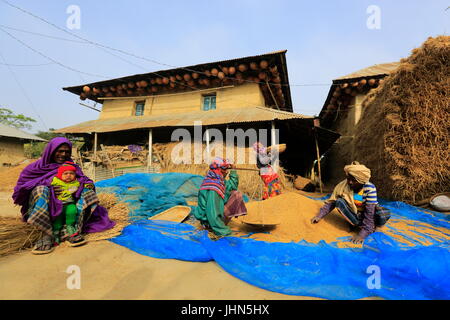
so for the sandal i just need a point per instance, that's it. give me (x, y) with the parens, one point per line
(56, 238)
(45, 241)
(74, 239)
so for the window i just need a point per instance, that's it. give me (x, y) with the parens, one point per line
(209, 102)
(139, 108)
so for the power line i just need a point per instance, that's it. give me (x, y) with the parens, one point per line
(80, 72)
(49, 58)
(26, 65)
(140, 57)
(23, 91)
(41, 34)
(105, 47)
(76, 70)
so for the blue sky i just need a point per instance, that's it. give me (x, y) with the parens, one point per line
(325, 39)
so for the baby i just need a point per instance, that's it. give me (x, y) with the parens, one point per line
(67, 181)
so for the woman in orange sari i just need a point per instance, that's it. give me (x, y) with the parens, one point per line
(269, 176)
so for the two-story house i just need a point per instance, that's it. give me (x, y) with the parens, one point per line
(244, 93)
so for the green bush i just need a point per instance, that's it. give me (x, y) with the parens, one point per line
(34, 149)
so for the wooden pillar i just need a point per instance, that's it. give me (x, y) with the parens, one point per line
(273, 142)
(150, 151)
(207, 137)
(95, 155)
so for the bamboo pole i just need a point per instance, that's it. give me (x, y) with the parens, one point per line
(108, 159)
(95, 154)
(318, 160)
(207, 145)
(247, 169)
(150, 145)
(271, 93)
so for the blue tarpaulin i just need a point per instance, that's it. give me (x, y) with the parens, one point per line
(383, 267)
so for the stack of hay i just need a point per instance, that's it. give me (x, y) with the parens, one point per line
(403, 135)
(249, 181)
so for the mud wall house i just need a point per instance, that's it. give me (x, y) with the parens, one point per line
(12, 142)
(243, 93)
(342, 111)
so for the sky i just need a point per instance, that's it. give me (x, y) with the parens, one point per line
(324, 40)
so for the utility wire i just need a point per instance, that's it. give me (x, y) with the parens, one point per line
(49, 58)
(41, 34)
(104, 47)
(26, 65)
(76, 70)
(16, 79)
(140, 57)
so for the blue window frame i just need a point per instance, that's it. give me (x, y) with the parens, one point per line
(139, 109)
(209, 102)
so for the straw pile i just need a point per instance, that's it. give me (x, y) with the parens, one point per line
(403, 135)
(117, 211)
(249, 181)
(16, 236)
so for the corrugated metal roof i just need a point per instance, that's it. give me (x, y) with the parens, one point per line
(12, 132)
(215, 117)
(377, 69)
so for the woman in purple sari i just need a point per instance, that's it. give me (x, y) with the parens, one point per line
(40, 206)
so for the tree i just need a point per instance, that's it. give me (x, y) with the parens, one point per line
(18, 121)
(48, 135)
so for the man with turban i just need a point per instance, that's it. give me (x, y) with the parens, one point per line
(355, 198)
(218, 198)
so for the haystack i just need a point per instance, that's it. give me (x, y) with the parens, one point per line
(403, 135)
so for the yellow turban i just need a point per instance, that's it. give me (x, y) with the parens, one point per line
(359, 171)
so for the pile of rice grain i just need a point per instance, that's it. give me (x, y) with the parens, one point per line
(294, 212)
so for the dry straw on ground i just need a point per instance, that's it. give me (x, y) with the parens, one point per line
(117, 212)
(16, 236)
(403, 135)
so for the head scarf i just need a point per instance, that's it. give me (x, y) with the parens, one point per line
(342, 190)
(67, 166)
(259, 148)
(359, 171)
(214, 179)
(41, 173)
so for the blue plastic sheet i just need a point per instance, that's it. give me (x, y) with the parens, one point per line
(320, 270)
(149, 194)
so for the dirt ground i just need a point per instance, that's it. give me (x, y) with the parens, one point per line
(110, 271)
